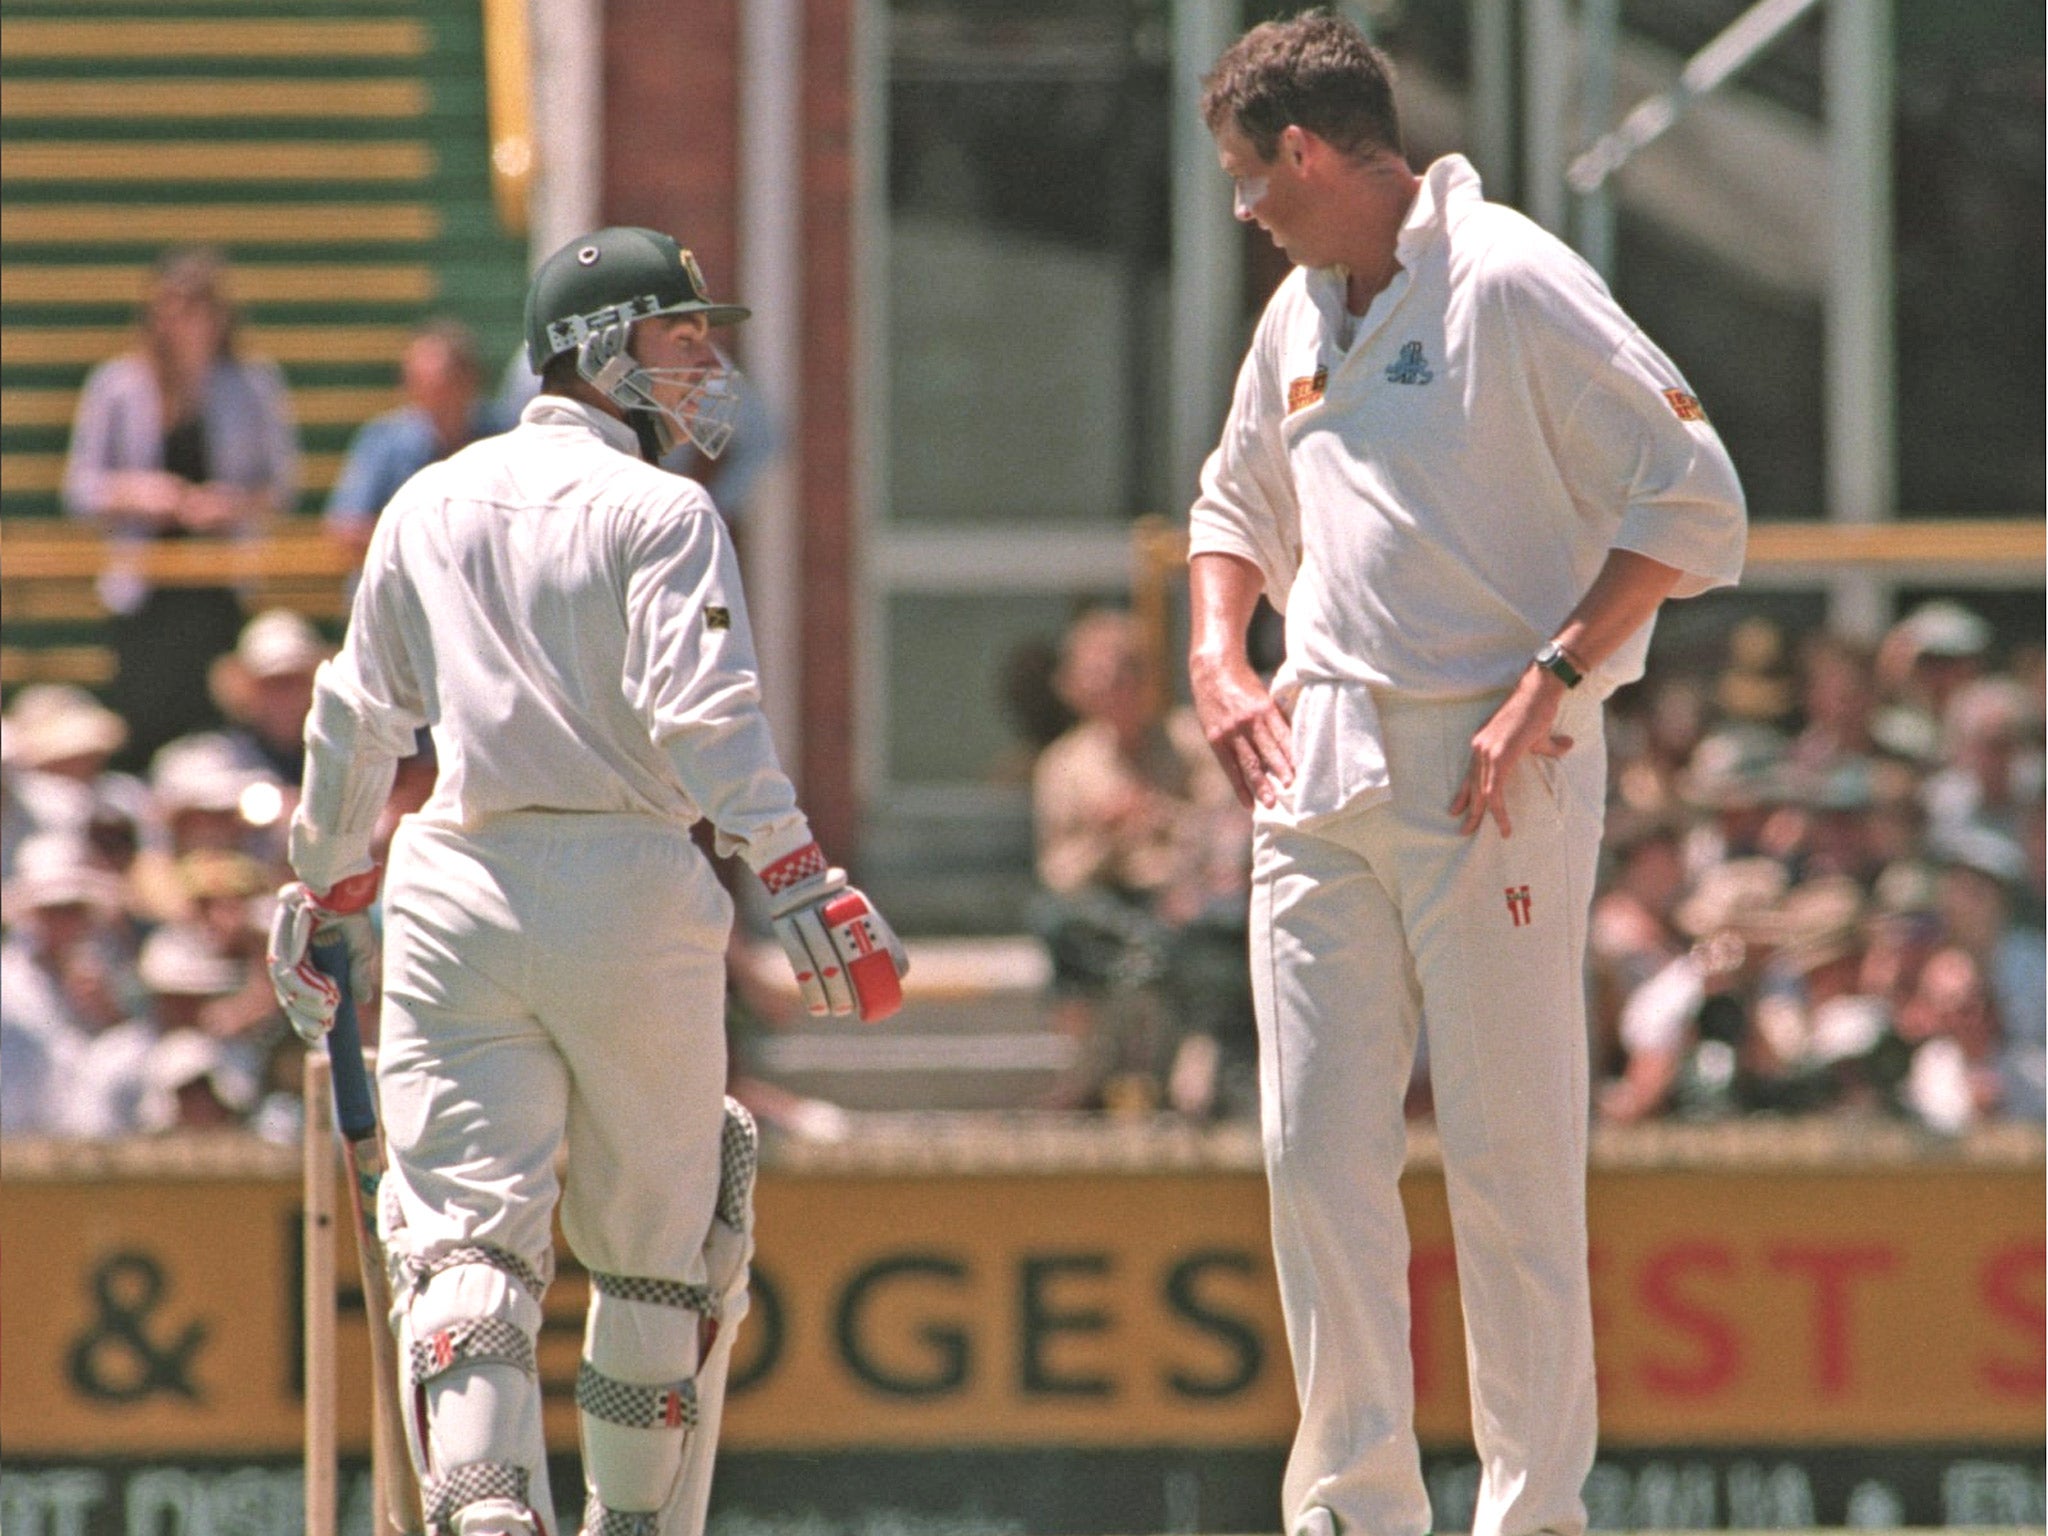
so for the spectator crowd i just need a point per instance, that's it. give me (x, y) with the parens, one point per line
(1822, 893)
(1822, 889)
(133, 996)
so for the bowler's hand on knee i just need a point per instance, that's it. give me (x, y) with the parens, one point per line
(1521, 725)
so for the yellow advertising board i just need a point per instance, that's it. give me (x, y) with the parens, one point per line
(1894, 1305)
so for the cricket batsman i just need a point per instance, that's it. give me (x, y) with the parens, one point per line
(567, 620)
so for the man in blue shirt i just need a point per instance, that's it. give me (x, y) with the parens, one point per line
(444, 411)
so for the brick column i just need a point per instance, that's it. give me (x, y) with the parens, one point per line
(671, 124)
(830, 545)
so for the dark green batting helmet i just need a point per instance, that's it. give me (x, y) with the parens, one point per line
(613, 277)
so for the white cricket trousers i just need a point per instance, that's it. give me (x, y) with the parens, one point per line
(551, 979)
(1362, 930)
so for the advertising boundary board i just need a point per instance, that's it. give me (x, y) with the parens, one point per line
(1088, 1492)
(1784, 1339)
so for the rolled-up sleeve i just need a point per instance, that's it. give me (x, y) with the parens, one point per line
(1246, 506)
(1684, 504)
(1632, 426)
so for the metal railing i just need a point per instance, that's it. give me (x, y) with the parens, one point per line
(49, 571)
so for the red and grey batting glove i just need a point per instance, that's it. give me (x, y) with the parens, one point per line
(307, 995)
(846, 957)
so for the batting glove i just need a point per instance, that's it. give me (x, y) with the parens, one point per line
(306, 993)
(846, 957)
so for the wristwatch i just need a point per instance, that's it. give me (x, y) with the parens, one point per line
(1551, 657)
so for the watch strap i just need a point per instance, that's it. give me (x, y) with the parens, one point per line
(1551, 657)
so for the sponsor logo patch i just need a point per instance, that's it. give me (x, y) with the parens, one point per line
(1685, 407)
(717, 618)
(1519, 905)
(1306, 392)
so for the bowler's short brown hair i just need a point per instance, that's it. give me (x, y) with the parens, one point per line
(1315, 71)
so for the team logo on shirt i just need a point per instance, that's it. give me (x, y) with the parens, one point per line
(717, 618)
(1518, 905)
(1306, 392)
(1411, 367)
(1685, 407)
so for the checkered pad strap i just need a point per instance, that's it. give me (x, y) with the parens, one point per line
(658, 1293)
(471, 1483)
(739, 1159)
(419, 1271)
(807, 863)
(478, 1341)
(673, 1405)
(599, 1521)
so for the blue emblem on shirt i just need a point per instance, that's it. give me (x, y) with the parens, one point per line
(1410, 367)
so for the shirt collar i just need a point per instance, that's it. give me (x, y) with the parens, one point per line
(1447, 187)
(561, 411)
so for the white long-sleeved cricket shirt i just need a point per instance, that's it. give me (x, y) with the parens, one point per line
(568, 621)
(1428, 504)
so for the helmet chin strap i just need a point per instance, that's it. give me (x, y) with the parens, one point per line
(610, 369)
(654, 443)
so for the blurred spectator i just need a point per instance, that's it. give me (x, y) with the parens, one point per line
(14, 817)
(441, 376)
(1033, 707)
(1812, 1012)
(63, 978)
(180, 436)
(216, 1050)
(264, 687)
(1141, 856)
(60, 741)
(1839, 699)
(229, 900)
(1953, 1081)
(1991, 749)
(1632, 936)
(1756, 686)
(1923, 661)
(193, 1084)
(1736, 778)
(111, 1072)
(207, 794)
(1982, 876)
(1836, 823)
(1653, 732)
(1687, 1030)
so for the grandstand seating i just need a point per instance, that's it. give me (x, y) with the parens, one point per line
(338, 154)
